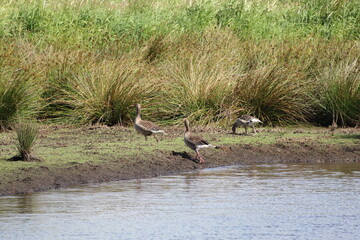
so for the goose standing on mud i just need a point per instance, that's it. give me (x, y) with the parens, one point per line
(195, 142)
(246, 121)
(146, 128)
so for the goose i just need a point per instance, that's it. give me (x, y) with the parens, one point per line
(195, 142)
(146, 128)
(246, 121)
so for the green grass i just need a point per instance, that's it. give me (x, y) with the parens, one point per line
(210, 61)
(19, 96)
(196, 89)
(340, 96)
(274, 94)
(103, 92)
(59, 148)
(27, 134)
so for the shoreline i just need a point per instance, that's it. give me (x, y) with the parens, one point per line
(160, 162)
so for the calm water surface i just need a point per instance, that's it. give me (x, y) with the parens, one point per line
(298, 201)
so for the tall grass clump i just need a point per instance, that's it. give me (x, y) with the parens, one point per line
(274, 94)
(26, 133)
(339, 94)
(19, 96)
(197, 77)
(20, 87)
(60, 66)
(197, 89)
(103, 91)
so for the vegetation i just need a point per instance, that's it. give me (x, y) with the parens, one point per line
(19, 96)
(27, 134)
(67, 146)
(211, 61)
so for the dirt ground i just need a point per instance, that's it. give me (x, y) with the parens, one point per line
(161, 162)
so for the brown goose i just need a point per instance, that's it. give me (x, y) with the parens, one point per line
(146, 128)
(195, 142)
(246, 121)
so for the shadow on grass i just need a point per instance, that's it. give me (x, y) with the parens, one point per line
(350, 136)
(241, 134)
(14, 159)
(184, 155)
(19, 158)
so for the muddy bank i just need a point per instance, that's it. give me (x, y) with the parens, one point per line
(162, 162)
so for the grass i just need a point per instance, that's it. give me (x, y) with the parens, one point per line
(19, 96)
(27, 133)
(103, 92)
(340, 95)
(274, 94)
(210, 61)
(196, 88)
(59, 147)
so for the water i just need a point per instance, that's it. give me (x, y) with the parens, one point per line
(302, 201)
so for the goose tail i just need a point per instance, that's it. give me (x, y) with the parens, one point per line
(159, 131)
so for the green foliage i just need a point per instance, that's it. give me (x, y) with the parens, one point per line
(229, 11)
(197, 80)
(274, 94)
(28, 18)
(19, 96)
(102, 92)
(26, 133)
(339, 93)
(207, 60)
(196, 88)
(95, 23)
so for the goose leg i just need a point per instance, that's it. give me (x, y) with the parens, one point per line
(246, 131)
(253, 128)
(198, 157)
(234, 127)
(157, 140)
(145, 138)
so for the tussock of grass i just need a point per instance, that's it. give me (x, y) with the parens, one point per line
(195, 90)
(197, 78)
(102, 92)
(339, 95)
(274, 94)
(26, 133)
(19, 98)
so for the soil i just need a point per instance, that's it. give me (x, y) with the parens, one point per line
(160, 162)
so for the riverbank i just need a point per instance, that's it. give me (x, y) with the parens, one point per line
(72, 156)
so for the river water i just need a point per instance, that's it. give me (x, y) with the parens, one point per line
(290, 201)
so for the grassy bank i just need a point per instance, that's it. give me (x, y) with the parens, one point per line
(211, 61)
(71, 156)
(60, 146)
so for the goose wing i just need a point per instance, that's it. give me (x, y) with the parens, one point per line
(246, 118)
(198, 141)
(149, 126)
(249, 119)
